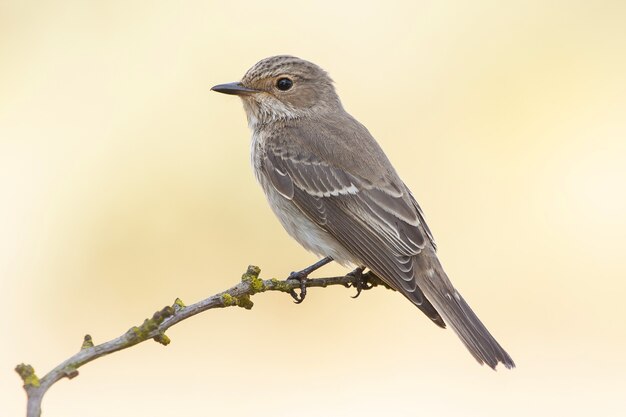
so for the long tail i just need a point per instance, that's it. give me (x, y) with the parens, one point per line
(438, 289)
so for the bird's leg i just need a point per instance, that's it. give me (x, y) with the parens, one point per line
(360, 281)
(302, 277)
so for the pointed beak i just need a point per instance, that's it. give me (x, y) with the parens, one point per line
(236, 89)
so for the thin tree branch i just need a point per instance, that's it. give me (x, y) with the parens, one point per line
(155, 327)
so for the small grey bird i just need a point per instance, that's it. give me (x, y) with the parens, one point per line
(335, 192)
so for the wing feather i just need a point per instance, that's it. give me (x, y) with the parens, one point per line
(376, 222)
(359, 200)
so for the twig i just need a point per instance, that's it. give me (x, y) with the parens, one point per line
(155, 327)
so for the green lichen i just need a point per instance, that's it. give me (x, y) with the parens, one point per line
(87, 342)
(27, 373)
(257, 285)
(251, 277)
(162, 339)
(245, 302)
(160, 316)
(242, 301)
(149, 325)
(139, 331)
(228, 300)
(280, 285)
(178, 303)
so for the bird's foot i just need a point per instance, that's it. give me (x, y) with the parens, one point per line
(302, 276)
(361, 283)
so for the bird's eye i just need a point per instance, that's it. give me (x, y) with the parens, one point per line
(284, 84)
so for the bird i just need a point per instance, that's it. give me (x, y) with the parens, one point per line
(336, 193)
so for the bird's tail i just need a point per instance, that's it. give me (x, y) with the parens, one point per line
(438, 289)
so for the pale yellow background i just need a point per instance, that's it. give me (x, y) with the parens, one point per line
(125, 182)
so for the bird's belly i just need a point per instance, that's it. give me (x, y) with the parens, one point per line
(311, 236)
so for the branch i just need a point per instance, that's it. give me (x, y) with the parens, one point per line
(155, 327)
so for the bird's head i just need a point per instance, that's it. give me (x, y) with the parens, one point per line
(281, 88)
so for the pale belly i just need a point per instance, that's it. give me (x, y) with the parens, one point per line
(311, 236)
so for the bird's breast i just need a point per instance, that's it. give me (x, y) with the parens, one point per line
(297, 224)
(256, 153)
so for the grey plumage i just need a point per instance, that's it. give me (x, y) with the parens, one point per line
(334, 190)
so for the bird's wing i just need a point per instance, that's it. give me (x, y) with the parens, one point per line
(420, 215)
(355, 195)
(317, 187)
(376, 221)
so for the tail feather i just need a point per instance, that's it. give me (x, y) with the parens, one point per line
(455, 311)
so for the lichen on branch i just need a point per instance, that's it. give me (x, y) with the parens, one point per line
(155, 327)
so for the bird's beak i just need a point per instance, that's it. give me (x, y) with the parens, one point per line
(236, 89)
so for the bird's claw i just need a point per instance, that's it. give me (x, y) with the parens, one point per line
(360, 282)
(302, 277)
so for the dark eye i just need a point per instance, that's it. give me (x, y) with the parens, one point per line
(284, 84)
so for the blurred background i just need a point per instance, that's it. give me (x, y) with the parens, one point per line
(125, 182)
